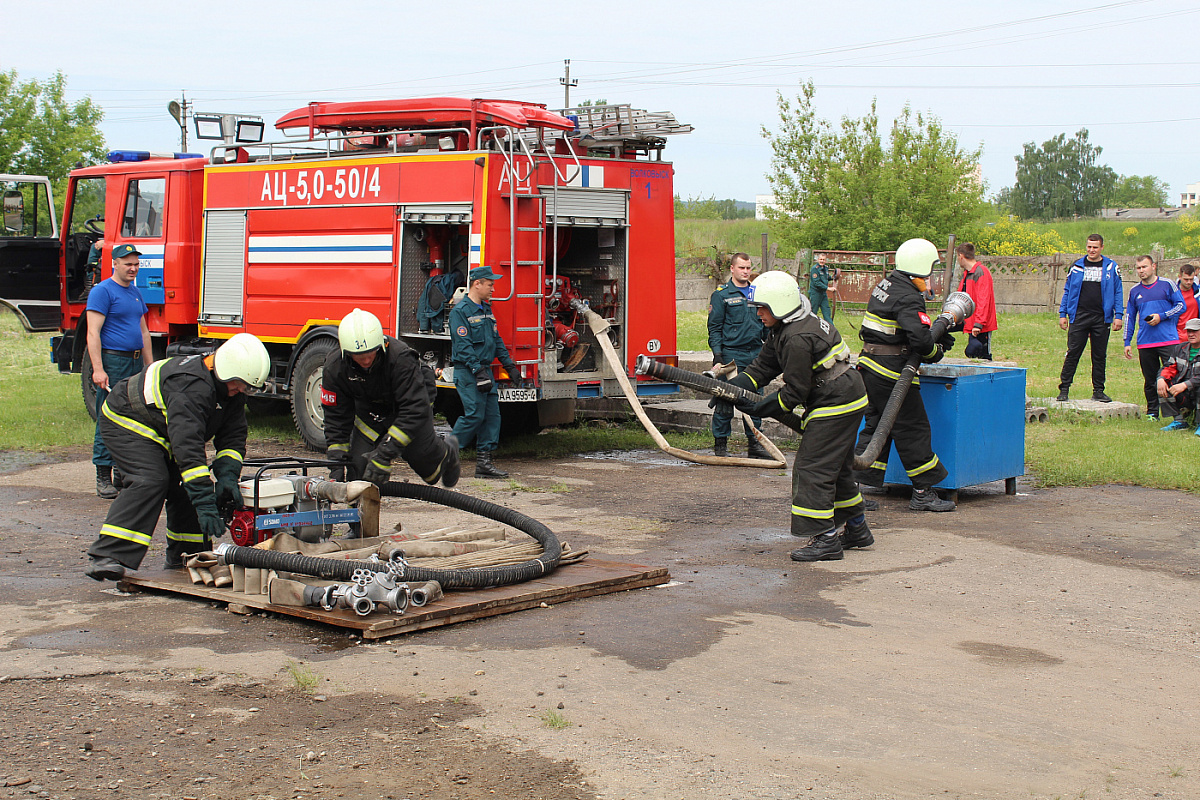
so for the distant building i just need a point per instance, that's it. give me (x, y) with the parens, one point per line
(1141, 214)
(762, 202)
(1188, 198)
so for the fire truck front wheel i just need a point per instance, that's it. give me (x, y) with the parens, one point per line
(306, 392)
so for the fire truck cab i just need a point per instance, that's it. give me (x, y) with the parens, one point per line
(385, 206)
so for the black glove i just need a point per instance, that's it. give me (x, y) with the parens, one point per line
(947, 342)
(725, 407)
(938, 354)
(378, 471)
(767, 407)
(717, 358)
(204, 501)
(483, 380)
(337, 452)
(227, 471)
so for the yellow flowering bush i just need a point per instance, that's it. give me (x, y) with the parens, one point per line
(1011, 237)
(1129, 232)
(1190, 242)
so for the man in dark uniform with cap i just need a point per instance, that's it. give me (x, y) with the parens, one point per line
(895, 326)
(735, 335)
(156, 424)
(819, 386)
(475, 344)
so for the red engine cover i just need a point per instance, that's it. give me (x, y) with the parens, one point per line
(242, 530)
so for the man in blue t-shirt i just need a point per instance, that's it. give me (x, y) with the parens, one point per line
(118, 344)
(1152, 302)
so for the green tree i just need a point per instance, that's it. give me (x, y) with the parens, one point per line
(847, 187)
(1061, 179)
(42, 134)
(1138, 191)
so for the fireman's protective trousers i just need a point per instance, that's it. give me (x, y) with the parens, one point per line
(427, 453)
(826, 459)
(151, 477)
(911, 435)
(480, 422)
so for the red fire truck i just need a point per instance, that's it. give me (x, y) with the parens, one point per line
(385, 206)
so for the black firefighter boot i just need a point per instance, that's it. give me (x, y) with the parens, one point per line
(484, 468)
(104, 485)
(756, 450)
(822, 547)
(721, 448)
(928, 500)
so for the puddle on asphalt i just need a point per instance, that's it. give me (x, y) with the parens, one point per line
(648, 458)
(13, 460)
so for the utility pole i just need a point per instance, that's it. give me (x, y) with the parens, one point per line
(567, 82)
(180, 111)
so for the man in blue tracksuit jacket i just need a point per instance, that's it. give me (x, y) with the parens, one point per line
(1090, 308)
(1156, 303)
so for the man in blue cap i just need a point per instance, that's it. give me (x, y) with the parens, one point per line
(475, 344)
(118, 344)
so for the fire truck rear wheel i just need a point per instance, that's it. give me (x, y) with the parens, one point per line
(88, 388)
(306, 392)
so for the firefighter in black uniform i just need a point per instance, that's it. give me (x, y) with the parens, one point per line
(156, 424)
(820, 386)
(378, 401)
(895, 326)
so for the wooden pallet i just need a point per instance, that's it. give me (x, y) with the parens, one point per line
(586, 579)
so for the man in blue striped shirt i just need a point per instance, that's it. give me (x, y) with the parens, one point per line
(1152, 302)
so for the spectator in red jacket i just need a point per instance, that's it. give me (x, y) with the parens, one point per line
(1190, 291)
(977, 282)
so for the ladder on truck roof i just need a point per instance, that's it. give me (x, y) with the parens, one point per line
(620, 126)
(536, 157)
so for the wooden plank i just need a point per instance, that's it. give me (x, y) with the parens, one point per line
(572, 582)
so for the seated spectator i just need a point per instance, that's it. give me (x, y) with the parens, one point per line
(1179, 380)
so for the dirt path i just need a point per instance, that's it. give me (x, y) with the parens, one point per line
(1043, 645)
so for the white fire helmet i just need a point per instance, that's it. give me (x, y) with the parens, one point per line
(244, 357)
(360, 332)
(916, 257)
(778, 291)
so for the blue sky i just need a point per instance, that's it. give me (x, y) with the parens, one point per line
(996, 74)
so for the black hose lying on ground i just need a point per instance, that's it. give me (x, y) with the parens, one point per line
(334, 570)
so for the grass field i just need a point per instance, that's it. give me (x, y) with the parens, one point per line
(698, 237)
(41, 410)
(1072, 449)
(1125, 238)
